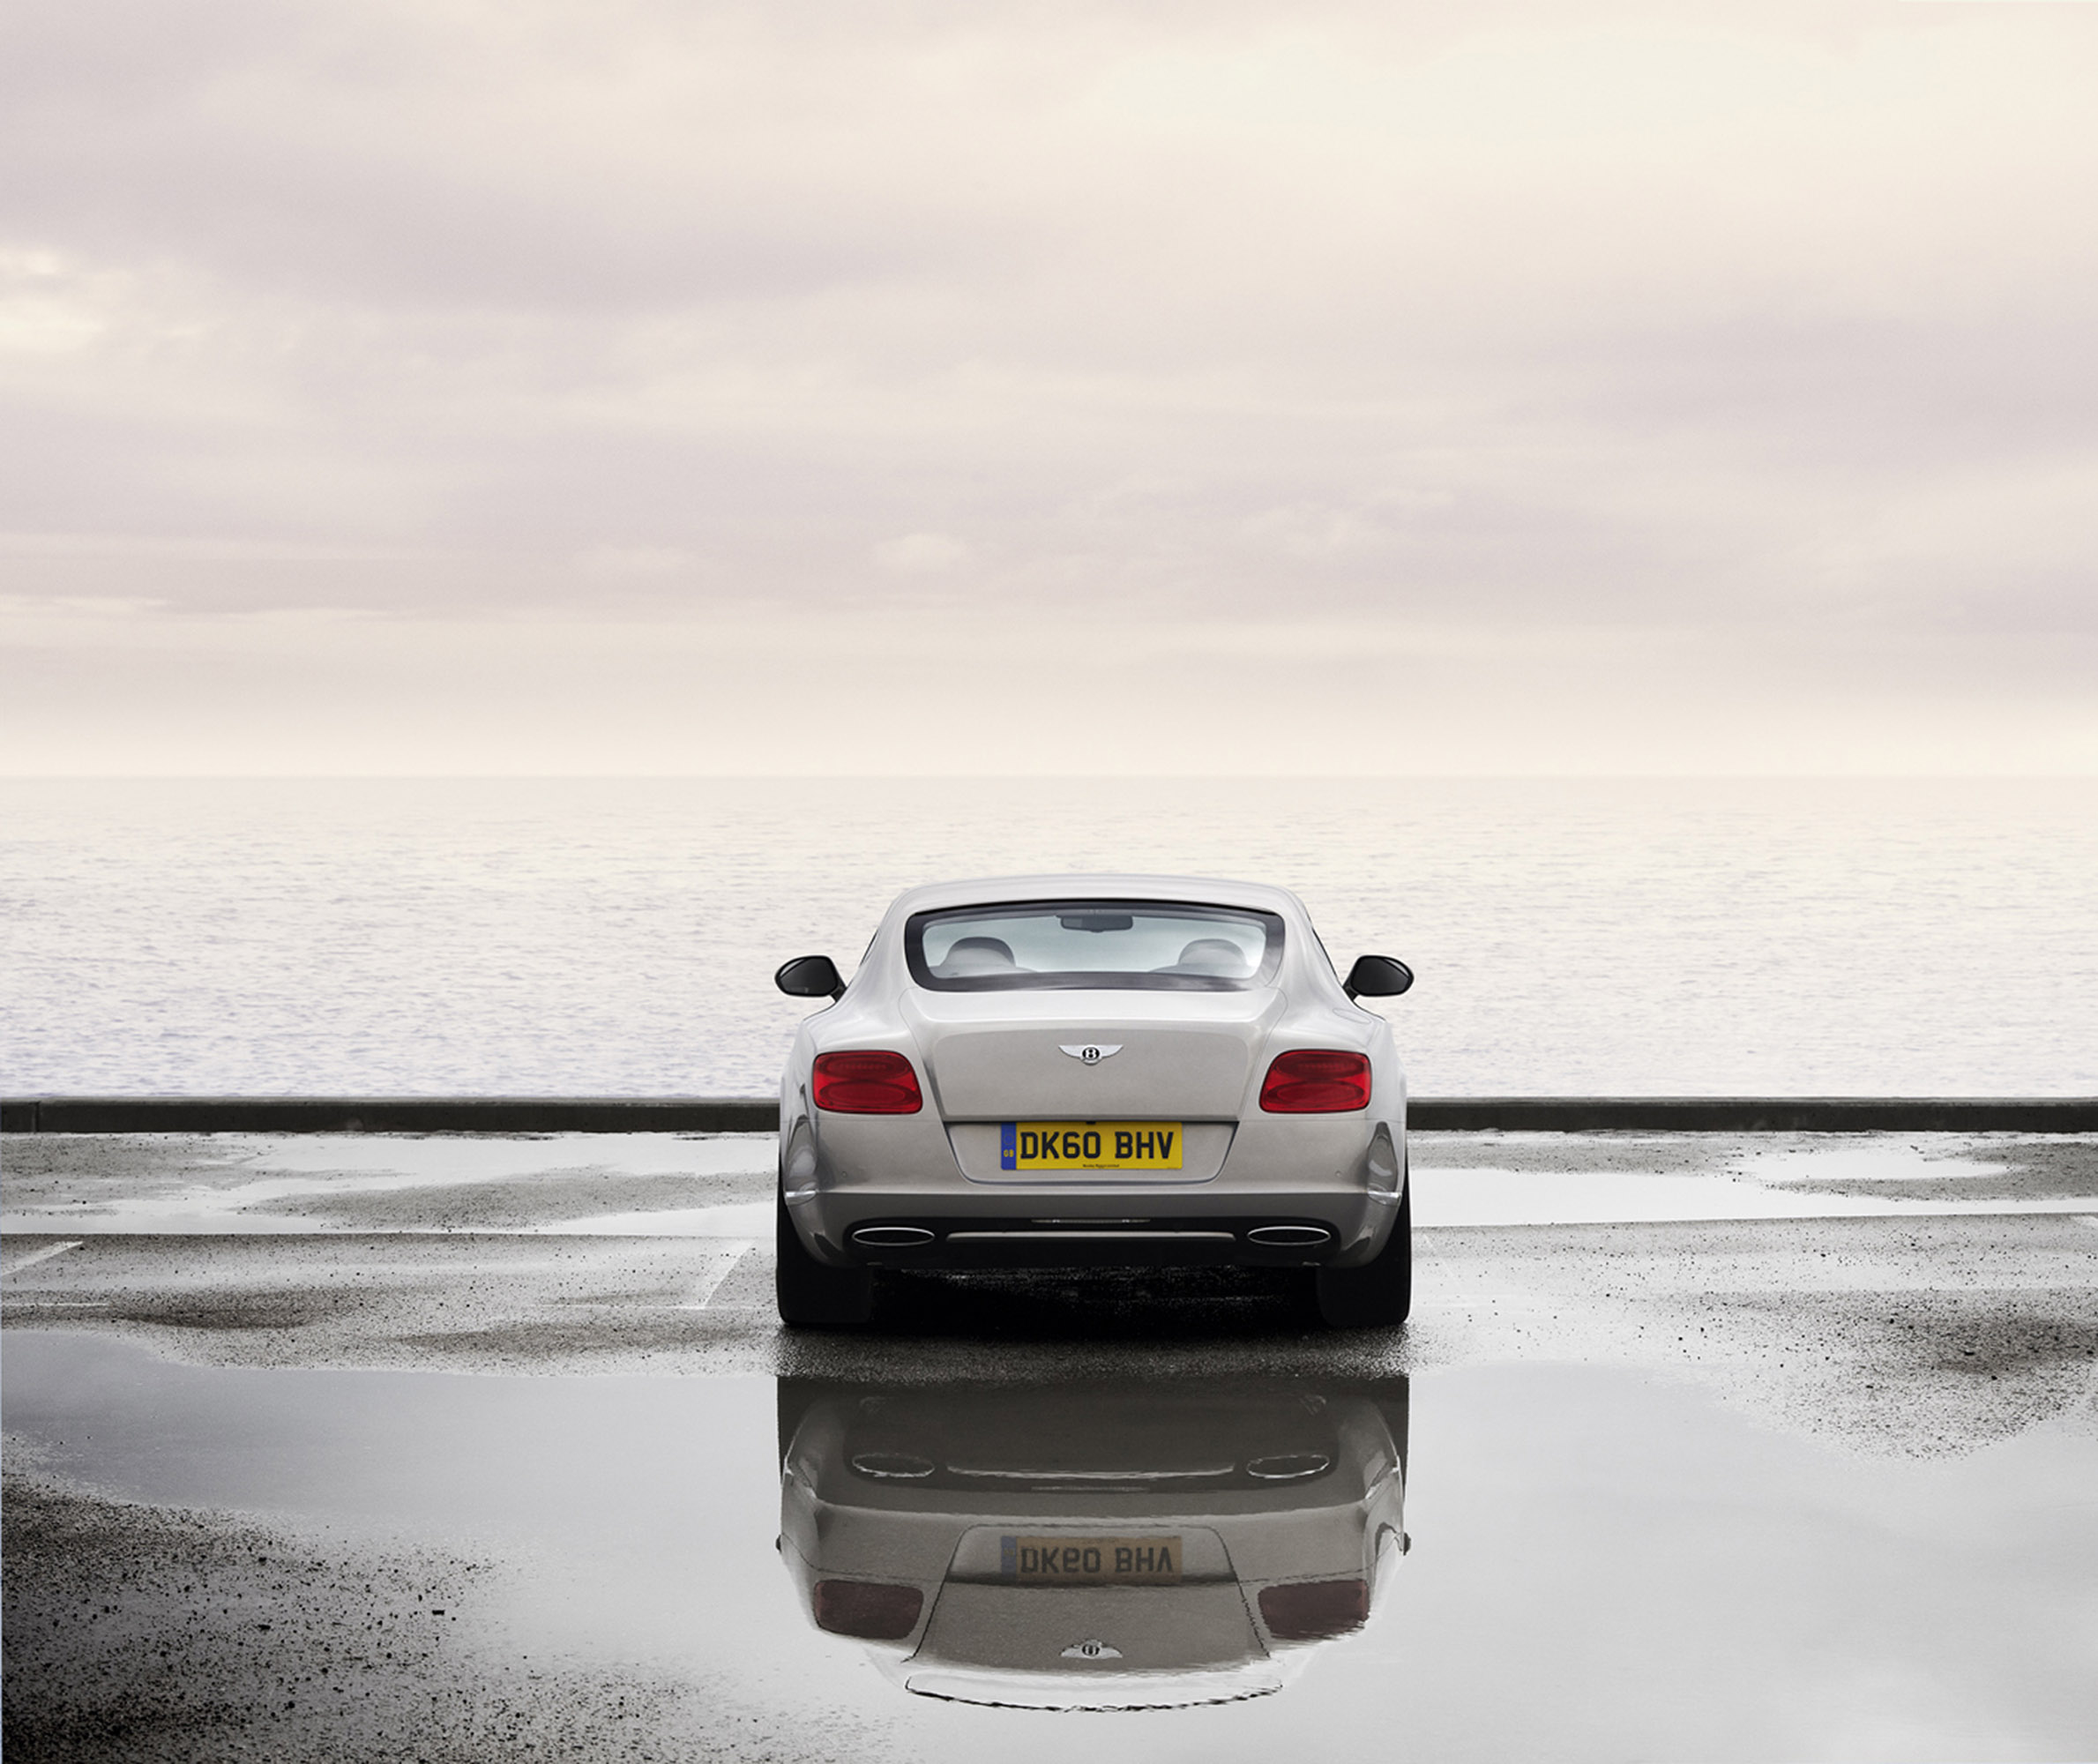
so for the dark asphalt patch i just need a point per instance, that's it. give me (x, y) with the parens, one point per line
(138, 1634)
(46, 1171)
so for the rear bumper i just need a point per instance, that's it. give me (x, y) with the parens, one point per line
(1294, 1191)
(1121, 1228)
(1261, 1240)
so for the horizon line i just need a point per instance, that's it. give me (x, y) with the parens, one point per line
(1176, 774)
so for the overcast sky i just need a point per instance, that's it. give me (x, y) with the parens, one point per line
(429, 385)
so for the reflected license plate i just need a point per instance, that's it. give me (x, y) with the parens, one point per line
(1089, 1145)
(1091, 1561)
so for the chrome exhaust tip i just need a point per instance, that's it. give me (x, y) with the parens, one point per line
(889, 1237)
(1290, 1236)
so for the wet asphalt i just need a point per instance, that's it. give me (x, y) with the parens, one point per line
(468, 1448)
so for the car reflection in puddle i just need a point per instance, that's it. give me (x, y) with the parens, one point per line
(1091, 1546)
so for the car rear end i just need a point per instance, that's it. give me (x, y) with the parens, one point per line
(1121, 1071)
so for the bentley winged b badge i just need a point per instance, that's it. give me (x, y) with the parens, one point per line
(1090, 1053)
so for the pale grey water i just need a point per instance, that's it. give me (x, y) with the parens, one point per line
(1605, 1566)
(618, 937)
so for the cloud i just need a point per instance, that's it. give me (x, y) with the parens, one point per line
(921, 554)
(1756, 333)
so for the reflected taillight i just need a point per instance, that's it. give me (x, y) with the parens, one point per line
(1312, 1610)
(1316, 1081)
(870, 1083)
(863, 1608)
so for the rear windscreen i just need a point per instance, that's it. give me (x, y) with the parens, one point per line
(1155, 945)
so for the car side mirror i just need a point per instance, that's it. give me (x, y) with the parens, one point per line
(1376, 976)
(810, 976)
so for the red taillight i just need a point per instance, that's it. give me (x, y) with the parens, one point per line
(871, 1613)
(866, 1084)
(1312, 1610)
(1316, 1081)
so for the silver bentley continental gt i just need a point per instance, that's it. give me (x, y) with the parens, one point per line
(1091, 1072)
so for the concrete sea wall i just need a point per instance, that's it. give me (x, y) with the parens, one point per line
(760, 1114)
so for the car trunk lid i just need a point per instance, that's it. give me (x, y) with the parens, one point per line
(1166, 1056)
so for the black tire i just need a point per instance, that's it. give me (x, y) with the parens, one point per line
(1379, 1295)
(811, 1294)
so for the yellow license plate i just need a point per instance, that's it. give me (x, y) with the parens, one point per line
(1091, 1561)
(1089, 1145)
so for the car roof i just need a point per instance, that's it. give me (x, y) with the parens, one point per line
(1196, 890)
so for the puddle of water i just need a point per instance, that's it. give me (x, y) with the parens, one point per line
(1603, 1566)
(259, 1191)
(1473, 1196)
(204, 1215)
(1863, 1160)
(1596, 1179)
(1484, 1196)
(216, 1217)
(464, 1157)
(751, 1220)
(643, 1184)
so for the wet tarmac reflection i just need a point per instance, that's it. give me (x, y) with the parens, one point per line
(368, 1563)
(1103, 1545)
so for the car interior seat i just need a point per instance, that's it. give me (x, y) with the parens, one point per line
(975, 955)
(1217, 956)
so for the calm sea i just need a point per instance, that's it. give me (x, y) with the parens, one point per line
(618, 937)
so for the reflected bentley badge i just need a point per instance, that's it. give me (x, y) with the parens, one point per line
(1091, 1650)
(1090, 1053)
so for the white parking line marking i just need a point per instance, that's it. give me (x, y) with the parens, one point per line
(44, 1254)
(703, 1295)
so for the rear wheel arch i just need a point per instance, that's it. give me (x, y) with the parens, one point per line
(1379, 1294)
(810, 1294)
